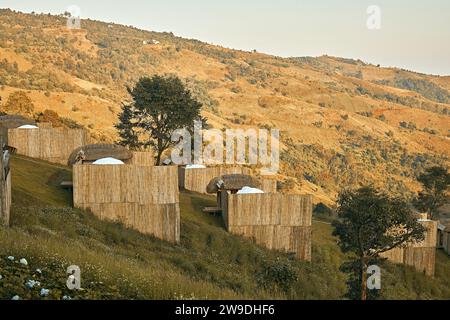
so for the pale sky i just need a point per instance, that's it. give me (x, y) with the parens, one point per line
(414, 34)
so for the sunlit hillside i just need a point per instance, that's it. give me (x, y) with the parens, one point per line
(343, 122)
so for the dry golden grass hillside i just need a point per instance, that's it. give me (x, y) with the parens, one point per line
(343, 122)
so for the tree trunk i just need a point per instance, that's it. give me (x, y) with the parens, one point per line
(159, 152)
(158, 158)
(363, 271)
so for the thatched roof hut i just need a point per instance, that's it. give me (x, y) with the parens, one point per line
(15, 121)
(232, 182)
(93, 152)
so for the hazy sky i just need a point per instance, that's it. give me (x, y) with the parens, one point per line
(414, 34)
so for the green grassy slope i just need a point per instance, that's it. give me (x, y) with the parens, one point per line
(209, 263)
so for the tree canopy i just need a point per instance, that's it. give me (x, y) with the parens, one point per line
(160, 105)
(436, 185)
(370, 223)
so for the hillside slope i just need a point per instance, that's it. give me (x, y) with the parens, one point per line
(118, 263)
(343, 122)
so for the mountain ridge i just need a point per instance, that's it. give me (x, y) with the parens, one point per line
(343, 122)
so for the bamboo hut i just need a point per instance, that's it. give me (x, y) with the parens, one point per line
(142, 158)
(144, 198)
(276, 221)
(420, 255)
(443, 236)
(93, 152)
(5, 180)
(46, 143)
(197, 179)
(268, 185)
(232, 183)
(89, 153)
(15, 121)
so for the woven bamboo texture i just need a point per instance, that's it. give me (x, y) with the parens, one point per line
(421, 255)
(446, 241)
(282, 238)
(269, 209)
(141, 159)
(268, 185)
(196, 180)
(49, 144)
(276, 221)
(144, 198)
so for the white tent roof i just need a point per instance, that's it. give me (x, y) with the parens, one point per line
(249, 190)
(104, 161)
(28, 126)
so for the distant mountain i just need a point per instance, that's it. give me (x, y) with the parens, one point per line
(343, 122)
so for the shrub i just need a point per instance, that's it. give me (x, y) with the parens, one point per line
(279, 273)
(19, 103)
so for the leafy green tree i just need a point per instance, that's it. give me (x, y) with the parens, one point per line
(128, 136)
(160, 106)
(436, 186)
(370, 223)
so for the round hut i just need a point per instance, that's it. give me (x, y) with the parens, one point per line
(230, 183)
(15, 121)
(93, 152)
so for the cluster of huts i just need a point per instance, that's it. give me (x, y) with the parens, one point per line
(120, 185)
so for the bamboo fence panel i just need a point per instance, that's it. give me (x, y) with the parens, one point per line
(143, 158)
(422, 259)
(276, 221)
(145, 198)
(45, 125)
(268, 185)
(196, 180)
(446, 241)
(269, 209)
(281, 238)
(49, 144)
(420, 255)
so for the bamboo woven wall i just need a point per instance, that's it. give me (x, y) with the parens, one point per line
(50, 144)
(277, 221)
(145, 198)
(142, 158)
(446, 241)
(268, 185)
(421, 255)
(197, 179)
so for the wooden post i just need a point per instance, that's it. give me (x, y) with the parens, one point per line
(5, 182)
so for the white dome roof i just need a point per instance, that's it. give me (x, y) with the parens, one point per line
(249, 190)
(108, 161)
(195, 166)
(28, 126)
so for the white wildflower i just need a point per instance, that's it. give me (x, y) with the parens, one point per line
(44, 292)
